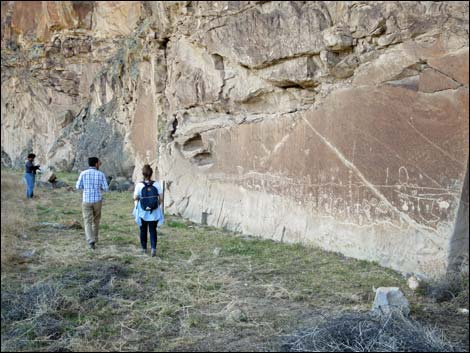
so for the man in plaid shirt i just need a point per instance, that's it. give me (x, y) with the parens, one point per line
(92, 181)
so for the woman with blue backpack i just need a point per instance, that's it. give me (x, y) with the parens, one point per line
(147, 210)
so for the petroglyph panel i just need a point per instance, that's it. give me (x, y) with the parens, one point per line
(374, 166)
(373, 171)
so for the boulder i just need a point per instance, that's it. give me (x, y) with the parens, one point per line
(390, 299)
(48, 176)
(121, 184)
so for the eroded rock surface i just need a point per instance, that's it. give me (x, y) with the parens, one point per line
(339, 124)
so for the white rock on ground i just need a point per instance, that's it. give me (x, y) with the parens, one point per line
(390, 299)
(414, 282)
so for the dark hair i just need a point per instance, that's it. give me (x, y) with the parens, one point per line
(31, 155)
(92, 161)
(147, 171)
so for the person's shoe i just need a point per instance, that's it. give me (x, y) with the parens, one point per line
(91, 245)
(153, 253)
(143, 251)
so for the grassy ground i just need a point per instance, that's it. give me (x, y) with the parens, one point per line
(208, 290)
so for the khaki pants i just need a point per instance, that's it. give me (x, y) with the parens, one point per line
(91, 218)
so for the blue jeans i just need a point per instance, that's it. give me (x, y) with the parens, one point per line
(30, 178)
(152, 227)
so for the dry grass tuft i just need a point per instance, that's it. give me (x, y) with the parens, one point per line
(453, 288)
(364, 332)
(17, 217)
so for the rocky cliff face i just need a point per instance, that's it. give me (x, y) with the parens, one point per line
(342, 124)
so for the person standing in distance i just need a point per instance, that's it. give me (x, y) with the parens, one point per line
(92, 182)
(30, 175)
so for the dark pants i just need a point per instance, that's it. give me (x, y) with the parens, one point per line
(152, 227)
(30, 179)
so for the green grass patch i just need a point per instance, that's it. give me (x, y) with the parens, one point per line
(122, 240)
(176, 224)
(68, 177)
(43, 210)
(244, 249)
(72, 212)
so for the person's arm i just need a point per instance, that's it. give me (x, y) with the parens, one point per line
(136, 192)
(159, 189)
(79, 185)
(104, 183)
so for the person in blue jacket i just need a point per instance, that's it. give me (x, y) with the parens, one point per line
(146, 216)
(30, 175)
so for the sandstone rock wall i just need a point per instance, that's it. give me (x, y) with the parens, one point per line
(342, 124)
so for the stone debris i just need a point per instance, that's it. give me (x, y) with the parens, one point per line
(65, 225)
(390, 299)
(48, 176)
(414, 282)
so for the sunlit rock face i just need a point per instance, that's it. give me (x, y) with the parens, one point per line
(74, 85)
(338, 124)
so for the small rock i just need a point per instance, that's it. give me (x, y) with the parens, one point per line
(390, 299)
(463, 311)
(28, 254)
(73, 225)
(65, 225)
(52, 225)
(337, 40)
(217, 251)
(48, 176)
(59, 184)
(345, 68)
(356, 298)
(388, 39)
(237, 315)
(414, 282)
(120, 184)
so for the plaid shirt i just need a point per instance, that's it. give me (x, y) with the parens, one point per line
(92, 181)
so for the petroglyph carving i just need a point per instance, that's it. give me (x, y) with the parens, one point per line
(425, 205)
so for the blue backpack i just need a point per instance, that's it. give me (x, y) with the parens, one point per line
(149, 199)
